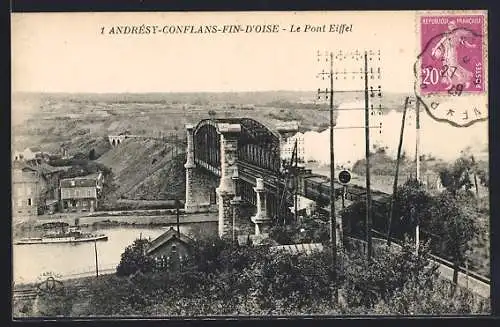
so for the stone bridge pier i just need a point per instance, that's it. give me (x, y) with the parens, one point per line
(226, 192)
(226, 179)
(115, 140)
(200, 186)
(204, 189)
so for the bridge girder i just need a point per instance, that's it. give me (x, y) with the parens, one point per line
(257, 144)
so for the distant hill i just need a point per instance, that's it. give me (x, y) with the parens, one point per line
(262, 98)
(81, 123)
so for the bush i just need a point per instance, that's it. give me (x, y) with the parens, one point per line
(369, 282)
(223, 278)
(308, 230)
(134, 259)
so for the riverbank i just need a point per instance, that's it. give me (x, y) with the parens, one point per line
(132, 219)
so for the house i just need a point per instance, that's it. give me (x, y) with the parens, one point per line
(49, 192)
(288, 146)
(80, 194)
(36, 184)
(31, 153)
(304, 205)
(170, 248)
(27, 186)
(17, 156)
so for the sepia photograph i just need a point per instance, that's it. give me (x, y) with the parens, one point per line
(188, 165)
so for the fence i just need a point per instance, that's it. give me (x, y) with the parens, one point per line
(90, 271)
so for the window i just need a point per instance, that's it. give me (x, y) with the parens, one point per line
(29, 201)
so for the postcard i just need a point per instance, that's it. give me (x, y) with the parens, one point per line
(250, 164)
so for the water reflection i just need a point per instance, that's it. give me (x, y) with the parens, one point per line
(30, 261)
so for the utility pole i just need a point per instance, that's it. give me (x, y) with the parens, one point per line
(367, 153)
(332, 227)
(333, 235)
(295, 180)
(417, 126)
(395, 185)
(354, 58)
(177, 214)
(96, 262)
(474, 169)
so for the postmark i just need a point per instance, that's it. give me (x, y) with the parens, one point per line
(49, 284)
(451, 68)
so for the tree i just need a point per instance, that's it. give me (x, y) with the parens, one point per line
(484, 178)
(412, 205)
(92, 155)
(455, 224)
(457, 176)
(212, 114)
(134, 259)
(369, 282)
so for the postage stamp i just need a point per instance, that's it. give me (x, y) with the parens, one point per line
(452, 54)
(451, 68)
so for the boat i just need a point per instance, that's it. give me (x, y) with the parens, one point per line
(73, 235)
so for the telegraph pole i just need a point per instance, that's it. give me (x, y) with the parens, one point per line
(367, 154)
(332, 226)
(295, 179)
(417, 126)
(333, 236)
(177, 214)
(395, 186)
(355, 58)
(96, 262)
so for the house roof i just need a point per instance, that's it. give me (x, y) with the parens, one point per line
(78, 182)
(298, 248)
(45, 168)
(169, 235)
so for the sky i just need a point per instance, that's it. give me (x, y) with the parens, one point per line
(65, 52)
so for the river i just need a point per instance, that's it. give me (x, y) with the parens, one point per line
(30, 261)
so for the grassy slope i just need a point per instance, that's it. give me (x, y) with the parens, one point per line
(135, 162)
(166, 183)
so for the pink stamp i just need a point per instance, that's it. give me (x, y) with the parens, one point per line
(452, 54)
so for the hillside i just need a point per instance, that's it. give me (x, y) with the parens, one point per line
(82, 122)
(48, 120)
(168, 182)
(135, 162)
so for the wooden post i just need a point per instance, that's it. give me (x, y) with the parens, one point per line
(368, 223)
(295, 179)
(96, 261)
(475, 175)
(395, 185)
(177, 214)
(333, 236)
(417, 126)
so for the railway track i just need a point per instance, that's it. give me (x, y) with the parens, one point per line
(32, 293)
(24, 294)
